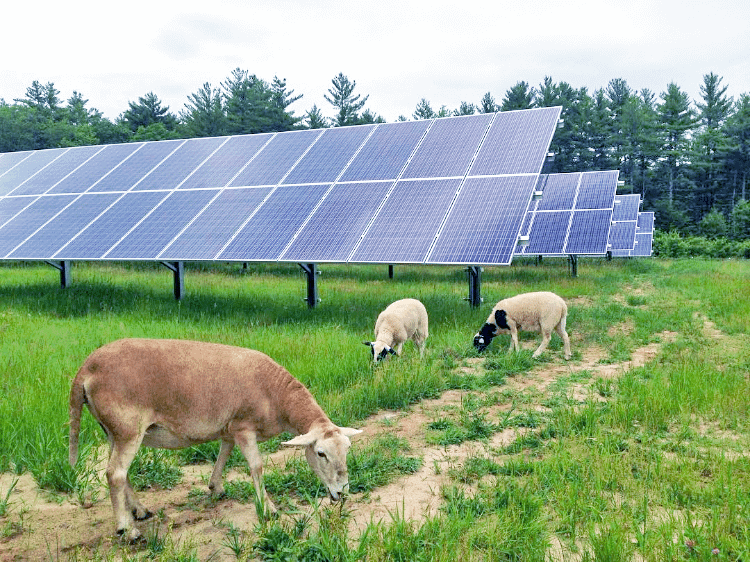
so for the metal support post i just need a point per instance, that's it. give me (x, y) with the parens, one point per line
(312, 283)
(178, 271)
(573, 259)
(475, 285)
(390, 272)
(64, 268)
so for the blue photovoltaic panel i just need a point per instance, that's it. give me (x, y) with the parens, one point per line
(530, 211)
(100, 235)
(626, 207)
(26, 168)
(50, 238)
(271, 228)
(23, 225)
(622, 235)
(10, 159)
(272, 163)
(338, 223)
(210, 230)
(328, 157)
(11, 206)
(643, 244)
(407, 224)
(448, 147)
(548, 232)
(645, 222)
(589, 232)
(386, 151)
(135, 168)
(96, 168)
(559, 192)
(178, 166)
(483, 225)
(57, 170)
(226, 162)
(158, 229)
(517, 142)
(597, 190)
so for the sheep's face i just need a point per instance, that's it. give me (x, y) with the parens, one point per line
(484, 336)
(380, 351)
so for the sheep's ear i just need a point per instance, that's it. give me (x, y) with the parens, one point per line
(301, 440)
(367, 343)
(500, 319)
(350, 431)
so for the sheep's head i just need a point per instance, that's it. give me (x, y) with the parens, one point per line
(326, 449)
(379, 350)
(484, 336)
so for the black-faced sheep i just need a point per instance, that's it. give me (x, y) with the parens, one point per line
(532, 312)
(174, 393)
(402, 320)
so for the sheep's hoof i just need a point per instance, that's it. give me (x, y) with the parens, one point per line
(132, 536)
(140, 515)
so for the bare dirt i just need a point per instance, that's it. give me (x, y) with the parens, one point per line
(42, 526)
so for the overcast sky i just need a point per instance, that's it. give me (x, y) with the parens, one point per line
(397, 51)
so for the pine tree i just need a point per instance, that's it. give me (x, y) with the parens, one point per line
(343, 99)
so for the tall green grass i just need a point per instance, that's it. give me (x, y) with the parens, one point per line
(654, 462)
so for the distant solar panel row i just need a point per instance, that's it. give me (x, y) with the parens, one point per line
(624, 225)
(452, 190)
(573, 215)
(643, 238)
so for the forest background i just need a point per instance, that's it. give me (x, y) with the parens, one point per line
(688, 159)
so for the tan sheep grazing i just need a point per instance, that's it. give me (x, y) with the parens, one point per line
(532, 312)
(173, 394)
(402, 320)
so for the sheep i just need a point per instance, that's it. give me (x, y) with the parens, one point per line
(402, 320)
(173, 394)
(534, 312)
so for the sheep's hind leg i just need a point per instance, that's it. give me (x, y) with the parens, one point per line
(215, 483)
(120, 491)
(546, 336)
(560, 329)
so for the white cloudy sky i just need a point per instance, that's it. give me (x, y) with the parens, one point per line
(397, 51)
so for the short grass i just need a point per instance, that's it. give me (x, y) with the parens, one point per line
(653, 466)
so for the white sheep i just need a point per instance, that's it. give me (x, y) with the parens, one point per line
(532, 312)
(402, 320)
(173, 394)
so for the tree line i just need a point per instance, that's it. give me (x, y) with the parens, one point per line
(689, 160)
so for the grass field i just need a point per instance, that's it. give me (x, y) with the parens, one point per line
(650, 465)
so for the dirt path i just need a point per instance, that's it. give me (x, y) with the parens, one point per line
(39, 526)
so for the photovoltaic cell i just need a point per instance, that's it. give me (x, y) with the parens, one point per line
(158, 229)
(178, 165)
(483, 225)
(448, 147)
(559, 192)
(31, 218)
(517, 142)
(56, 171)
(327, 158)
(227, 161)
(548, 232)
(209, 231)
(338, 223)
(26, 168)
(597, 190)
(589, 232)
(101, 234)
(407, 224)
(272, 163)
(135, 168)
(94, 169)
(10, 159)
(272, 226)
(626, 207)
(386, 151)
(62, 227)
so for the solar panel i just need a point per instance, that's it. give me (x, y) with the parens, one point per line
(624, 225)
(643, 244)
(586, 200)
(449, 190)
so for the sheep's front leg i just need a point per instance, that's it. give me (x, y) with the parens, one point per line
(248, 444)
(215, 483)
(514, 339)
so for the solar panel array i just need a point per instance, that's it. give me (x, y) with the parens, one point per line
(643, 238)
(624, 224)
(441, 191)
(573, 215)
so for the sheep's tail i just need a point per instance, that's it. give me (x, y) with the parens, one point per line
(77, 400)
